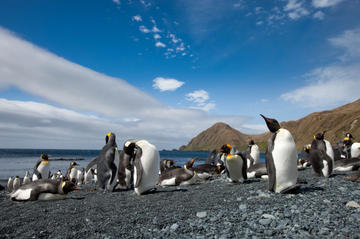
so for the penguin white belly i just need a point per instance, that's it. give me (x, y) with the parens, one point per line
(190, 181)
(88, 177)
(51, 196)
(344, 168)
(248, 163)
(150, 165)
(44, 170)
(355, 150)
(329, 151)
(234, 165)
(21, 194)
(16, 184)
(255, 153)
(168, 182)
(285, 160)
(10, 184)
(251, 174)
(34, 177)
(325, 169)
(73, 173)
(26, 180)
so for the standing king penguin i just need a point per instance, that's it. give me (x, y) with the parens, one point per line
(321, 156)
(252, 154)
(106, 168)
(42, 168)
(125, 167)
(26, 178)
(146, 167)
(281, 159)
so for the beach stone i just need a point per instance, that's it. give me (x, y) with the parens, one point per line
(265, 221)
(174, 227)
(327, 201)
(352, 204)
(242, 206)
(201, 214)
(268, 216)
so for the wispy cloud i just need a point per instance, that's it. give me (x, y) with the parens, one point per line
(160, 44)
(319, 15)
(166, 84)
(325, 3)
(117, 2)
(143, 29)
(108, 104)
(296, 9)
(137, 18)
(198, 96)
(350, 42)
(335, 84)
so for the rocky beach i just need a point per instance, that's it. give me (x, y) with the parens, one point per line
(323, 208)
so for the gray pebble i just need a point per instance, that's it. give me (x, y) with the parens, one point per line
(174, 227)
(201, 214)
(265, 221)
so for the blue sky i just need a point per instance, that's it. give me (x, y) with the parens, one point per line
(70, 71)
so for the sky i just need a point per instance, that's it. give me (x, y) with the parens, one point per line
(164, 71)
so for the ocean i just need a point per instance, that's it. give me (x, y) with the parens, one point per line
(14, 162)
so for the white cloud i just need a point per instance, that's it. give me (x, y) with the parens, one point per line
(325, 3)
(259, 23)
(295, 9)
(117, 2)
(198, 96)
(89, 104)
(319, 15)
(137, 18)
(349, 41)
(328, 86)
(155, 29)
(145, 4)
(205, 107)
(264, 100)
(166, 84)
(157, 36)
(144, 29)
(160, 44)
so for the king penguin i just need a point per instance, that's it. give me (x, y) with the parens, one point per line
(178, 176)
(281, 159)
(10, 184)
(42, 168)
(146, 167)
(355, 150)
(106, 168)
(43, 189)
(126, 165)
(26, 178)
(252, 153)
(321, 156)
(236, 166)
(16, 183)
(72, 172)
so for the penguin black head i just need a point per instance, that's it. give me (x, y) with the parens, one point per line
(272, 124)
(189, 164)
(226, 148)
(320, 136)
(110, 138)
(72, 164)
(68, 187)
(307, 148)
(251, 142)
(130, 149)
(349, 136)
(44, 156)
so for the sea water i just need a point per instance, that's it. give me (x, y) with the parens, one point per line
(14, 162)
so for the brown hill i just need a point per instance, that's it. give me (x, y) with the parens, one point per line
(336, 122)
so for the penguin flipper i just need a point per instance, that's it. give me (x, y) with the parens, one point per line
(270, 166)
(139, 168)
(92, 163)
(244, 167)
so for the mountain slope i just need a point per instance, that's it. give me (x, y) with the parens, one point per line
(336, 122)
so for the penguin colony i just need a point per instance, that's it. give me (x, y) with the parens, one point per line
(139, 167)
